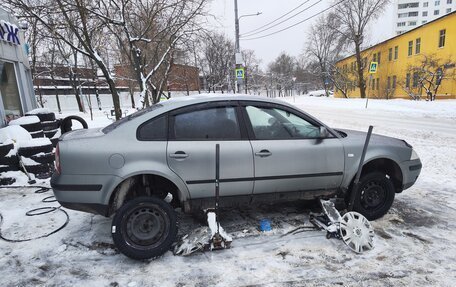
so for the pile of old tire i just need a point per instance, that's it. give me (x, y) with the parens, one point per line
(37, 157)
(49, 123)
(31, 124)
(8, 162)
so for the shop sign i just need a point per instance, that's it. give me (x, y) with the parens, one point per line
(9, 33)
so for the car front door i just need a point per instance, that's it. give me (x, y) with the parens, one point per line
(289, 152)
(193, 134)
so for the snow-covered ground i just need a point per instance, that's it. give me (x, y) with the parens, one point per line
(415, 242)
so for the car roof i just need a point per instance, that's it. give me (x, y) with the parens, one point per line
(202, 98)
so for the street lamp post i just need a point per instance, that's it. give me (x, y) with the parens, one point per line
(238, 55)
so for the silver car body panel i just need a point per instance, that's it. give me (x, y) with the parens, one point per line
(198, 169)
(92, 158)
(298, 165)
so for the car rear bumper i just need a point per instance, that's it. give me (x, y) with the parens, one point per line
(89, 193)
(411, 169)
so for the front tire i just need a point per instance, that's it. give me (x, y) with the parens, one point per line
(374, 195)
(144, 228)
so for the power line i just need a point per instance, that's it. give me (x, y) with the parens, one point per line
(296, 24)
(267, 24)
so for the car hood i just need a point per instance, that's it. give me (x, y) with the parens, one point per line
(82, 134)
(358, 136)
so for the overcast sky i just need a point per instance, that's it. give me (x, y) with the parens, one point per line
(292, 40)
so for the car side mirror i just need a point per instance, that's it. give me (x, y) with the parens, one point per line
(324, 132)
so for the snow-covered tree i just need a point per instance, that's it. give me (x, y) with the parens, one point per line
(325, 47)
(353, 18)
(426, 76)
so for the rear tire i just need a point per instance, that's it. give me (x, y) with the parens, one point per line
(144, 228)
(374, 195)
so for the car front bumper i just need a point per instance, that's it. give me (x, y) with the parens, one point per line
(411, 170)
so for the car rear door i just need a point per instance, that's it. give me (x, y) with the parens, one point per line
(193, 134)
(289, 154)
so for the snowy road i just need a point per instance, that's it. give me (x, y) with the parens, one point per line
(415, 242)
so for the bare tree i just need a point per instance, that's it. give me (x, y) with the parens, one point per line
(341, 79)
(282, 70)
(427, 76)
(216, 61)
(251, 63)
(149, 32)
(325, 47)
(61, 18)
(353, 16)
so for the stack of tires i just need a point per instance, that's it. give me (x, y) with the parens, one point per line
(38, 157)
(8, 161)
(10, 136)
(31, 124)
(49, 123)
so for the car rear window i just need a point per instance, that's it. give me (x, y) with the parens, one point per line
(153, 130)
(123, 120)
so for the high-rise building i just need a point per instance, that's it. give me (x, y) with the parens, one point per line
(412, 13)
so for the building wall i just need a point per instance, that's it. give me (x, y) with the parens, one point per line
(428, 36)
(16, 88)
(183, 78)
(411, 13)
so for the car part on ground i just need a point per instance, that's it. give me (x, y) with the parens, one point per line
(211, 237)
(353, 228)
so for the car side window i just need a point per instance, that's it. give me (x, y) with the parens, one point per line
(272, 124)
(153, 130)
(218, 123)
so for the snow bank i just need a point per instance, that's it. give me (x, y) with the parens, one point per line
(38, 111)
(14, 133)
(35, 142)
(25, 121)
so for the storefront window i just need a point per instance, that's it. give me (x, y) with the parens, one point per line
(9, 91)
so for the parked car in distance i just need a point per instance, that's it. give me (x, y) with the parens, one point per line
(320, 93)
(270, 151)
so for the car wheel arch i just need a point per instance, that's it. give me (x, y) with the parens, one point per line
(121, 193)
(388, 166)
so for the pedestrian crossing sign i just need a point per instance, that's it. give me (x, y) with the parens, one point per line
(373, 67)
(240, 73)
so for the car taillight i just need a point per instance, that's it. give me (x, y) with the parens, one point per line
(57, 159)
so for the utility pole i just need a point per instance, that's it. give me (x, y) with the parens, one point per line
(237, 56)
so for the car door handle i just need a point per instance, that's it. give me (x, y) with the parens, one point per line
(263, 153)
(178, 155)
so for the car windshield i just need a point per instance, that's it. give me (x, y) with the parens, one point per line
(115, 124)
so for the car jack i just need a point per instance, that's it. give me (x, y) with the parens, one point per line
(211, 237)
(200, 239)
(352, 228)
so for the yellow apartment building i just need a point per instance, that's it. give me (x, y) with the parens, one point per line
(410, 65)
